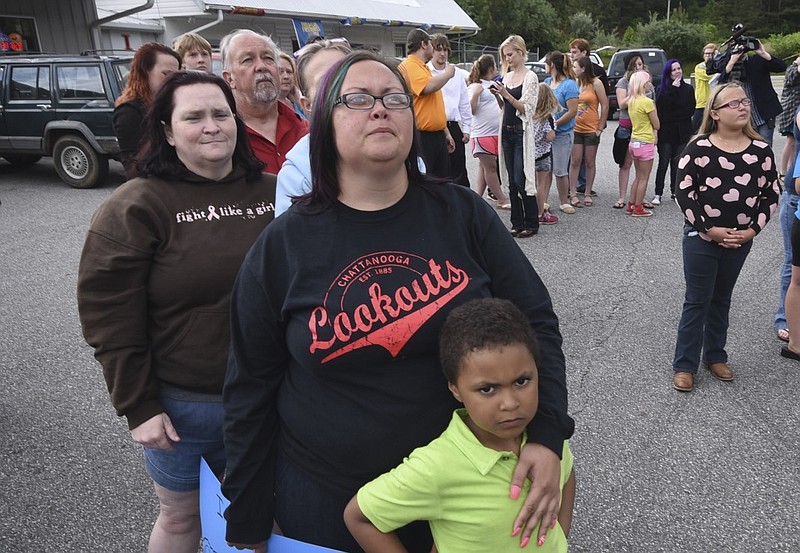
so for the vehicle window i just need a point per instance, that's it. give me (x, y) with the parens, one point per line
(30, 83)
(80, 81)
(654, 63)
(121, 70)
(618, 66)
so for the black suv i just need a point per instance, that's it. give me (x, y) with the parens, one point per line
(654, 58)
(61, 106)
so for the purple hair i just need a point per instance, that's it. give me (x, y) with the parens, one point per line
(322, 145)
(666, 81)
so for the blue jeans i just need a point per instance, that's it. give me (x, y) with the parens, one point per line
(524, 209)
(787, 217)
(710, 272)
(668, 155)
(198, 420)
(767, 129)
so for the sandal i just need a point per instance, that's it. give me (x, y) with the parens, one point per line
(619, 204)
(575, 201)
(588, 201)
(783, 334)
(503, 206)
(647, 205)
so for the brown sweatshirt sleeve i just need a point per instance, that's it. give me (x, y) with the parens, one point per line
(112, 303)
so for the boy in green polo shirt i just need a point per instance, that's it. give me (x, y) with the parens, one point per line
(459, 482)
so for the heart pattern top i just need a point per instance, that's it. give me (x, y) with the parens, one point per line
(722, 189)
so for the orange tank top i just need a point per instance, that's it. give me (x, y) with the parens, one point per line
(587, 119)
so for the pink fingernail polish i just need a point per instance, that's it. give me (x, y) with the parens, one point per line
(515, 491)
(516, 531)
(541, 541)
(524, 542)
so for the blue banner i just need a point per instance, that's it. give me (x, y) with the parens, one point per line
(306, 28)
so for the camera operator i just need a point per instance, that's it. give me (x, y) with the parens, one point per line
(747, 61)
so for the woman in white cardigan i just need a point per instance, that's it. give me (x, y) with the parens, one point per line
(517, 96)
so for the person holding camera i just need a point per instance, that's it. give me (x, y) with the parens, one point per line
(747, 61)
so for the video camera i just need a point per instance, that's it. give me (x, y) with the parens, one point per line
(739, 42)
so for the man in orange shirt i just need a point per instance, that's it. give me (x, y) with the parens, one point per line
(431, 118)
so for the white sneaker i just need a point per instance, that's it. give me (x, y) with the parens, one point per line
(656, 200)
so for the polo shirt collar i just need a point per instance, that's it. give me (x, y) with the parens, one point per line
(483, 458)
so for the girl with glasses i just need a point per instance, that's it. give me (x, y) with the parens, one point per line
(727, 190)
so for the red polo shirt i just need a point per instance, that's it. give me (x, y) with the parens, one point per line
(291, 128)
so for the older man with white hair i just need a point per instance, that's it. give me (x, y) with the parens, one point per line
(250, 66)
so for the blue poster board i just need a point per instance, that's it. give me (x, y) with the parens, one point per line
(212, 507)
(304, 28)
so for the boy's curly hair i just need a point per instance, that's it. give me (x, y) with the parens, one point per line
(482, 323)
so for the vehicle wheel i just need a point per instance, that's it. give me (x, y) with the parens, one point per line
(77, 163)
(22, 160)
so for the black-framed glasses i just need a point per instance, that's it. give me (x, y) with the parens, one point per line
(734, 104)
(364, 101)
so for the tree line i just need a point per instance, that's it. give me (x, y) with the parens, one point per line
(690, 25)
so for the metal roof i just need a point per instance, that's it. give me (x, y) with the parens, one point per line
(441, 14)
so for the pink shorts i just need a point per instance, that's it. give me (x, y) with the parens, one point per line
(484, 145)
(643, 151)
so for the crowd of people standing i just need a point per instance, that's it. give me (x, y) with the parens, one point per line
(277, 349)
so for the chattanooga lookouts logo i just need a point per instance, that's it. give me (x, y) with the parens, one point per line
(395, 294)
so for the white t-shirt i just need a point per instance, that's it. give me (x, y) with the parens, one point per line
(486, 119)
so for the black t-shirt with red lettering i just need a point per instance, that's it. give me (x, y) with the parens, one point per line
(335, 327)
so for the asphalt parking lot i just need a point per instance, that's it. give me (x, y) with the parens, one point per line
(717, 470)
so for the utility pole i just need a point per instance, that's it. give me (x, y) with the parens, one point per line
(669, 4)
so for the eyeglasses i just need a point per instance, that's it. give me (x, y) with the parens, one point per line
(362, 101)
(734, 104)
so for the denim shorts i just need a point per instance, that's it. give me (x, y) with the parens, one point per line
(197, 419)
(562, 150)
(545, 165)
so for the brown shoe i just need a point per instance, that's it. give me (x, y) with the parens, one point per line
(721, 371)
(683, 381)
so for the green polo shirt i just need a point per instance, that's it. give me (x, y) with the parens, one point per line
(462, 488)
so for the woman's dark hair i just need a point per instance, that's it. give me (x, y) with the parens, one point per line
(137, 87)
(479, 324)
(561, 64)
(158, 158)
(322, 145)
(588, 71)
(480, 67)
(630, 64)
(666, 78)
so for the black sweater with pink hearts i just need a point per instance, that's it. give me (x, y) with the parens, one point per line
(722, 189)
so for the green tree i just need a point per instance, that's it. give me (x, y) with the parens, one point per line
(583, 25)
(678, 38)
(533, 20)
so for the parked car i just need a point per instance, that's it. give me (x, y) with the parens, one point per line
(539, 68)
(654, 58)
(61, 106)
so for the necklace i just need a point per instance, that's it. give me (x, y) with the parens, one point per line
(737, 145)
